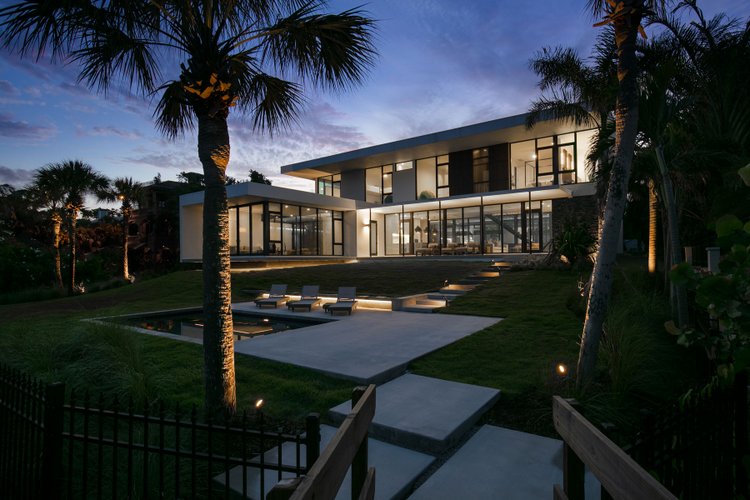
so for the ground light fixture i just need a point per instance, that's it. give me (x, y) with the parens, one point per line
(259, 404)
(562, 370)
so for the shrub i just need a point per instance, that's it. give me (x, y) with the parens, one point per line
(574, 244)
(23, 267)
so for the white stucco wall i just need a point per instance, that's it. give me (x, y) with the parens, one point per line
(191, 232)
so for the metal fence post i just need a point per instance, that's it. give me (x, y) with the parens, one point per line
(54, 398)
(359, 464)
(312, 439)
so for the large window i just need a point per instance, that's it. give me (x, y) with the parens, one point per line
(443, 185)
(551, 160)
(330, 185)
(481, 170)
(379, 184)
(290, 229)
(426, 179)
(432, 178)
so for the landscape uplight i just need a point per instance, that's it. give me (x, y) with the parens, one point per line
(258, 404)
(562, 370)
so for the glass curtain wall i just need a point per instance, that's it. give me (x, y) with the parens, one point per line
(291, 230)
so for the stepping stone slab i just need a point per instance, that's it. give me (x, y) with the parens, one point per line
(501, 463)
(396, 468)
(423, 413)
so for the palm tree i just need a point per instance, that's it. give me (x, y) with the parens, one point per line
(48, 193)
(128, 192)
(75, 180)
(625, 16)
(227, 49)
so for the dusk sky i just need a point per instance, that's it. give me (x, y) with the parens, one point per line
(442, 64)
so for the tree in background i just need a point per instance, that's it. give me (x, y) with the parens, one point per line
(225, 48)
(75, 180)
(50, 195)
(258, 177)
(129, 193)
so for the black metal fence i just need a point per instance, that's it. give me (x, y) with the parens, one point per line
(82, 449)
(696, 449)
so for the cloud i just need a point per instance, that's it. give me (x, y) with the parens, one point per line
(23, 130)
(108, 131)
(166, 160)
(8, 88)
(15, 176)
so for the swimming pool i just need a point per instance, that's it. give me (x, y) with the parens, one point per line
(190, 323)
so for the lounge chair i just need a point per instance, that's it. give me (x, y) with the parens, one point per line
(309, 298)
(276, 296)
(345, 302)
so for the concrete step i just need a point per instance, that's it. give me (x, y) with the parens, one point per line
(423, 413)
(452, 291)
(458, 287)
(473, 281)
(505, 464)
(416, 308)
(430, 302)
(397, 468)
(485, 273)
(442, 296)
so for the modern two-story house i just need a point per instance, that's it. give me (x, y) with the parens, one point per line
(485, 189)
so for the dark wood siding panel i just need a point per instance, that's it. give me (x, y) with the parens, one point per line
(499, 172)
(461, 173)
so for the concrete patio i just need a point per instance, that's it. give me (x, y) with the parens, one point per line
(370, 346)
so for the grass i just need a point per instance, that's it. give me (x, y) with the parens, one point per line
(519, 354)
(48, 339)
(639, 363)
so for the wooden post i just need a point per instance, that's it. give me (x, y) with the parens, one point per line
(573, 474)
(359, 464)
(312, 439)
(740, 432)
(54, 398)
(284, 489)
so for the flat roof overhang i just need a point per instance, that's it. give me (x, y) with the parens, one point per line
(492, 198)
(503, 130)
(253, 192)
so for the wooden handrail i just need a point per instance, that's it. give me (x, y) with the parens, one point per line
(324, 478)
(618, 473)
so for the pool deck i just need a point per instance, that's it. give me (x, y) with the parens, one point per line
(370, 346)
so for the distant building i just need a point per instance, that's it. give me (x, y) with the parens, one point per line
(489, 188)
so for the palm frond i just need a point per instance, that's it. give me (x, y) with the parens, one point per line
(173, 112)
(331, 50)
(276, 102)
(40, 28)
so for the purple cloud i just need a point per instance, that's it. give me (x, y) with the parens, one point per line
(15, 176)
(23, 130)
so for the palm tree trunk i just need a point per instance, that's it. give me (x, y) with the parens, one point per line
(679, 294)
(56, 224)
(652, 218)
(626, 116)
(218, 341)
(72, 222)
(125, 225)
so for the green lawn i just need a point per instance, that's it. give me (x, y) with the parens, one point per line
(48, 339)
(518, 355)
